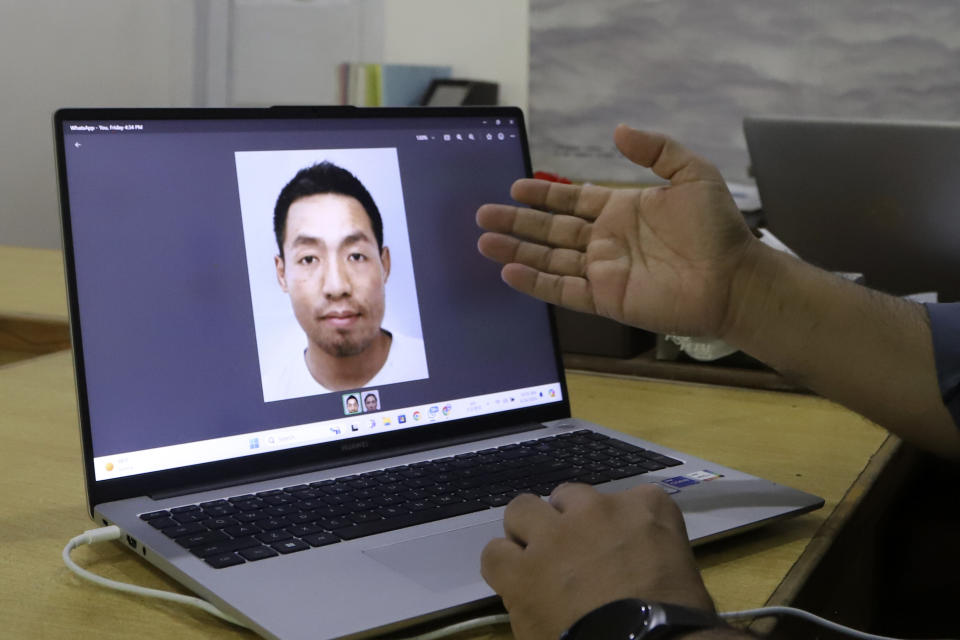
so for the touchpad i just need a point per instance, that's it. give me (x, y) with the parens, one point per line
(444, 560)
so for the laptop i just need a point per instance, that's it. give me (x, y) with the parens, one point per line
(291, 506)
(864, 196)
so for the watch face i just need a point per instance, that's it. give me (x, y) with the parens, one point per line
(633, 619)
(619, 619)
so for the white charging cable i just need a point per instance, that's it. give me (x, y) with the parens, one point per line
(104, 534)
(766, 612)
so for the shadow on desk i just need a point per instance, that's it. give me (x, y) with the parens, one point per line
(26, 336)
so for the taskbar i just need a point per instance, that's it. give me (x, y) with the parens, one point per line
(216, 449)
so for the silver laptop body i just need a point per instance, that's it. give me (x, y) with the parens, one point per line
(171, 295)
(864, 196)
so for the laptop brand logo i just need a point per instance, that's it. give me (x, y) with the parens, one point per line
(352, 446)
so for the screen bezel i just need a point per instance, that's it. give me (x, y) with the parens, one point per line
(288, 461)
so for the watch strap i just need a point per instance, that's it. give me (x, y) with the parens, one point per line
(635, 619)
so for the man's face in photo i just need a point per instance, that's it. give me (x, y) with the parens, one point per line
(334, 273)
(352, 405)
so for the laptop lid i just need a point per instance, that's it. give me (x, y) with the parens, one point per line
(873, 197)
(192, 334)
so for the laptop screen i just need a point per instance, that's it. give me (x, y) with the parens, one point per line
(246, 285)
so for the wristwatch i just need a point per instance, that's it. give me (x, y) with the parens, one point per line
(635, 619)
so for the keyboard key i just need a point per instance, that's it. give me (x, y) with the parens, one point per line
(220, 510)
(163, 523)
(220, 523)
(320, 539)
(366, 516)
(269, 524)
(223, 560)
(258, 553)
(250, 505)
(334, 523)
(218, 548)
(153, 515)
(305, 530)
(189, 516)
(308, 494)
(662, 459)
(290, 546)
(246, 517)
(301, 518)
(594, 478)
(392, 511)
(201, 539)
(624, 446)
(241, 530)
(497, 500)
(186, 509)
(269, 537)
(183, 530)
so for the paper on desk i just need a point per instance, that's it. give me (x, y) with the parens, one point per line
(745, 195)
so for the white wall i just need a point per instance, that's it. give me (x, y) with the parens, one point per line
(57, 54)
(287, 51)
(215, 53)
(486, 40)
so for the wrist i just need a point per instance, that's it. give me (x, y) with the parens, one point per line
(751, 290)
(635, 619)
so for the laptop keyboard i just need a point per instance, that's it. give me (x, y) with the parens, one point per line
(268, 524)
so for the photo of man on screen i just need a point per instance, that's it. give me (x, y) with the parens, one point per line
(333, 265)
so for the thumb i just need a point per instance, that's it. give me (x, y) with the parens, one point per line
(667, 158)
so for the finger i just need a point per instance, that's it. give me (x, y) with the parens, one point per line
(584, 201)
(567, 291)
(572, 496)
(555, 230)
(498, 562)
(666, 157)
(506, 249)
(655, 500)
(527, 515)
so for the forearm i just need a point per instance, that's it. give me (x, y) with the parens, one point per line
(866, 350)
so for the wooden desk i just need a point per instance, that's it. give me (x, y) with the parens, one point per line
(33, 303)
(799, 440)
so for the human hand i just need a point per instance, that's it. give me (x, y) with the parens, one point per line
(562, 559)
(662, 258)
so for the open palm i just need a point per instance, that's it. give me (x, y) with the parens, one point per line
(661, 258)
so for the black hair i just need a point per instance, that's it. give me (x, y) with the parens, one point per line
(352, 397)
(324, 177)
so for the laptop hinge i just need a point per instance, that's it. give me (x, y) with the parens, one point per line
(343, 462)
